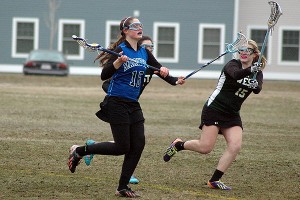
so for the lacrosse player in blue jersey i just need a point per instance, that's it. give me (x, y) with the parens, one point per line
(147, 43)
(125, 115)
(221, 112)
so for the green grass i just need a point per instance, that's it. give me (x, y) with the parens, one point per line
(41, 117)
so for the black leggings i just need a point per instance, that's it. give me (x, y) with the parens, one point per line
(129, 140)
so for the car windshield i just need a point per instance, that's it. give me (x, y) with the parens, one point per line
(47, 55)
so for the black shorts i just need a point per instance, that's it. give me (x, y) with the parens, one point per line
(117, 110)
(211, 116)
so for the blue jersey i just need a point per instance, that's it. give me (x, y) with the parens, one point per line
(128, 80)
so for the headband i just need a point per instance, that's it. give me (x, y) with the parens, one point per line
(125, 22)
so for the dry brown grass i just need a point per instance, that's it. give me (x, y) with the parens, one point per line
(41, 117)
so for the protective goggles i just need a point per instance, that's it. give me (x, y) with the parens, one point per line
(135, 26)
(148, 46)
(246, 50)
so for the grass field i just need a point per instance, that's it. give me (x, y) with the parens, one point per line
(41, 117)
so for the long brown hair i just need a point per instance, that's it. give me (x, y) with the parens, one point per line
(257, 52)
(103, 56)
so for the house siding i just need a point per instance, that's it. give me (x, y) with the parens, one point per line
(189, 14)
(256, 13)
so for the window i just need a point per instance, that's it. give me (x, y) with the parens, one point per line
(211, 42)
(66, 44)
(166, 42)
(25, 36)
(258, 35)
(289, 46)
(113, 32)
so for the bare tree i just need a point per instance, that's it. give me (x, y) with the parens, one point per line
(51, 20)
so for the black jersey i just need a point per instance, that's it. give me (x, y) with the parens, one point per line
(148, 76)
(233, 88)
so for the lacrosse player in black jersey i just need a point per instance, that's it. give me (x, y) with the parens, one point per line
(221, 112)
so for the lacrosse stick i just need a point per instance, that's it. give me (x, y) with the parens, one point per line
(275, 14)
(92, 47)
(230, 48)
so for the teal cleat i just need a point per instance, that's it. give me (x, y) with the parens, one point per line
(88, 158)
(133, 180)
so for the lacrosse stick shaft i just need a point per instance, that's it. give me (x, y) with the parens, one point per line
(208, 63)
(119, 55)
(262, 50)
(275, 14)
(96, 47)
(230, 48)
(263, 46)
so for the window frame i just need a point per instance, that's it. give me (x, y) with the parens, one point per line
(176, 26)
(202, 27)
(108, 26)
(280, 44)
(16, 20)
(61, 23)
(269, 41)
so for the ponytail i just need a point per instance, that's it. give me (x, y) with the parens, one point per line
(104, 56)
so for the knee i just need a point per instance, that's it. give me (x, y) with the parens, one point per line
(142, 143)
(138, 147)
(235, 148)
(206, 149)
(123, 149)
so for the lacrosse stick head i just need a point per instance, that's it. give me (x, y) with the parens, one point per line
(276, 12)
(83, 43)
(240, 42)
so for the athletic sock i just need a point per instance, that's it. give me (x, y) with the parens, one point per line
(123, 182)
(81, 151)
(122, 187)
(216, 176)
(179, 146)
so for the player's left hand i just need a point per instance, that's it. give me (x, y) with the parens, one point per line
(256, 67)
(163, 71)
(180, 80)
(253, 84)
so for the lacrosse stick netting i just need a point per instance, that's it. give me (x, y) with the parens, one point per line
(234, 47)
(276, 12)
(241, 41)
(92, 47)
